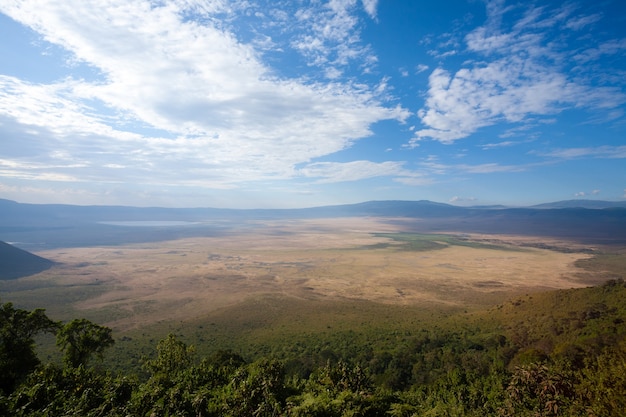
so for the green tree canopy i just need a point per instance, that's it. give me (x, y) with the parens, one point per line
(81, 339)
(173, 356)
(17, 347)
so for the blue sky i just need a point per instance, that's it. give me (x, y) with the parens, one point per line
(249, 104)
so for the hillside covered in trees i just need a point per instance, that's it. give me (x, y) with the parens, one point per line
(559, 353)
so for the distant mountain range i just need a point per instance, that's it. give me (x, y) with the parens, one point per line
(41, 226)
(588, 204)
(48, 214)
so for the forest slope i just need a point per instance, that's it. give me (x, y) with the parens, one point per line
(559, 353)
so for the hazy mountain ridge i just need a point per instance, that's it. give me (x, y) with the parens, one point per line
(586, 204)
(39, 226)
(10, 211)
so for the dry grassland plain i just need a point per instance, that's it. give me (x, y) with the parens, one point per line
(330, 259)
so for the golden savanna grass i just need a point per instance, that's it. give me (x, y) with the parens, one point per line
(330, 259)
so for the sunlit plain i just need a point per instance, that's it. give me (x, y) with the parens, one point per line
(332, 259)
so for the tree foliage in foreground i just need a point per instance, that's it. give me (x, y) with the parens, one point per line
(80, 339)
(17, 346)
(576, 369)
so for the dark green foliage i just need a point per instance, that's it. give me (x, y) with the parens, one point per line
(52, 391)
(17, 346)
(601, 387)
(173, 357)
(173, 383)
(340, 389)
(256, 390)
(538, 389)
(554, 354)
(81, 339)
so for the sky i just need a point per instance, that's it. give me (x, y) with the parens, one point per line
(281, 104)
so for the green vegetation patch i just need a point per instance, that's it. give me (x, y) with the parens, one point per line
(426, 242)
(31, 294)
(283, 327)
(602, 267)
(558, 353)
(611, 263)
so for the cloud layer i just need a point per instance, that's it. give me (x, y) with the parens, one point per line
(517, 72)
(205, 98)
(139, 97)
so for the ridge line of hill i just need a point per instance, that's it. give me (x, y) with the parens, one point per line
(17, 263)
(40, 226)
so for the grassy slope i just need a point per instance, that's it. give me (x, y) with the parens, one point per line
(286, 326)
(536, 325)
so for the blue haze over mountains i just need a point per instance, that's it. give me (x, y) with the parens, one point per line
(46, 226)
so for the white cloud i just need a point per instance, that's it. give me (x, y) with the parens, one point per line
(414, 180)
(490, 168)
(56, 194)
(332, 172)
(421, 68)
(350, 171)
(518, 73)
(370, 7)
(609, 152)
(217, 114)
(331, 36)
(611, 47)
(503, 144)
(438, 168)
(577, 23)
(457, 199)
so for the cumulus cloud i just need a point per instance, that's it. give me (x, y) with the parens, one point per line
(515, 72)
(457, 199)
(585, 193)
(176, 100)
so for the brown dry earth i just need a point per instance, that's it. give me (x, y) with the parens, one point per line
(184, 279)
